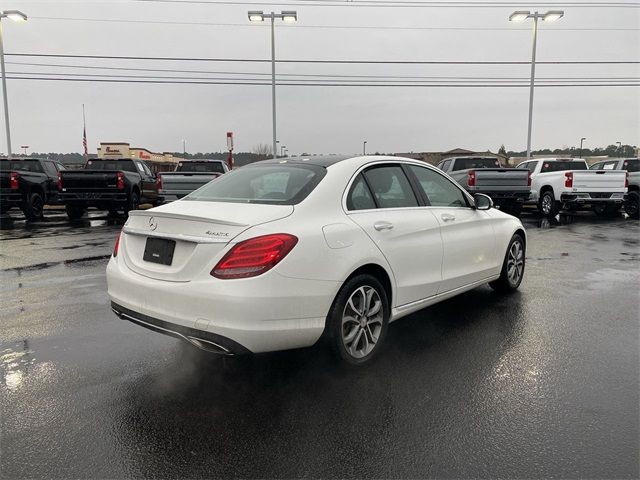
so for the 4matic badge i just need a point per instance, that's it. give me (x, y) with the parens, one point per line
(217, 234)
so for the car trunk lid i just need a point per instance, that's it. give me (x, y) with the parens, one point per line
(196, 238)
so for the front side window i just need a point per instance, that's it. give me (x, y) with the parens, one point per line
(445, 165)
(360, 197)
(596, 166)
(49, 168)
(440, 191)
(274, 184)
(390, 187)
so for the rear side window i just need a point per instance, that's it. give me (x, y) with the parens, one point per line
(122, 165)
(360, 197)
(390, 187)
(631, 165)
(205, 167)
(560, 166)
(440, 191)
(475, 162)
(273, 184)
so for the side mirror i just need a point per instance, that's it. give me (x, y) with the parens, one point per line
(482, 201)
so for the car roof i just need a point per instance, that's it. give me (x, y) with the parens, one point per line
(319, 160)
(200, 160)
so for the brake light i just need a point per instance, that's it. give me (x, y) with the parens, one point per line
(159, 182)
(626, 179)
(529, 179)
(471, 180)
(254, 256)
(59, 182)
(120, 181)
(568, 179)
(13, 180)
(116, 246)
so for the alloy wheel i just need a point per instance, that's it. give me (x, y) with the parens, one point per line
(515, 262)
(362, 321)
(547, 204)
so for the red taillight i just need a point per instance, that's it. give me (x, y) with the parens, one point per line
(626, 179)
(120, 181)
(568, 179)
(59, 182)
(159, 182)
(13, 179)
(471, 181)
(116, 246)
(254, 256)
(529, 179)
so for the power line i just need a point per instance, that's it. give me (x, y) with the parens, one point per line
(354, 62)
(323, 84)
(330, 27)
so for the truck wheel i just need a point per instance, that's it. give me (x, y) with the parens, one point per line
(631, 205)
(547, 204)
(606, 211)
(4, 209)
(512, 267)
(113, 212)
(74, 212)
(134, 202)
(514, 209)
(34, 207)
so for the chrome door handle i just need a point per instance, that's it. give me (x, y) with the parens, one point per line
(383, 226)
(447, 217)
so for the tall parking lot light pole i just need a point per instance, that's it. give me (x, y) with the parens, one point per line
(364, 147)
(16, 16)
(287, 17)
(581, 140)
(619, 149)
(520, 16)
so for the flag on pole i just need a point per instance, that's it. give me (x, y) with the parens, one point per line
(84, 141)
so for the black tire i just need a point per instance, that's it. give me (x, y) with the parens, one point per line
(74, 212)
(4, 209)
(133, 204)
(34, 207)
(374, 331)
(514, 257)
(113, 212)
(606, 211)
(514, 209)
(547, 204)
(631, 206)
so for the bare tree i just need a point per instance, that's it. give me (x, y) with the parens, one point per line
(262, 149)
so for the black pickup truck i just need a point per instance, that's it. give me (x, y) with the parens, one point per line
(29, 184)
(108, 184)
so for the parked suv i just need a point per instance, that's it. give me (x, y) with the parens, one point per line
(108, 184)
(632, 167)
(29, 184)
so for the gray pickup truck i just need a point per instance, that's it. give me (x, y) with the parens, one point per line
(632, 166)
(509, 188)
(188, 176)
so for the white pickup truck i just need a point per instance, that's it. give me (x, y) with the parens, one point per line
(632, 167)
(188, 176)
(568, 183)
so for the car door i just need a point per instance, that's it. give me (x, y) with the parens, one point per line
(383, 203)
(51, 183)
(148, 182)
(468, 238)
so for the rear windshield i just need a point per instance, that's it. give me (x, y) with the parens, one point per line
(24, 165)
(560, 166)
(123, 165)
(273, 184)
(465, 163)
(631, 165)
(207, 167)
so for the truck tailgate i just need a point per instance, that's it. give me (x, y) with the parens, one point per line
(599, 181)
(93, 180)
(185, 182)
(502, 178)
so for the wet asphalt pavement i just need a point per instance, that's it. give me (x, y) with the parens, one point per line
(541, 383)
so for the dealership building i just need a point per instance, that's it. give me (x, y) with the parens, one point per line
(159, 162)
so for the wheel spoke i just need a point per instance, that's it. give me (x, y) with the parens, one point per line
(376, 308)
(348, 338)
(354, 345)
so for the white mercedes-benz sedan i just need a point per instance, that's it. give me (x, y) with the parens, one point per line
(281, 253)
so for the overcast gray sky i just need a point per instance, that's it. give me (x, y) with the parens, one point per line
(47, 115)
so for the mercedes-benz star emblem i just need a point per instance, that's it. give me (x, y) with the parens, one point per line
(153, 223)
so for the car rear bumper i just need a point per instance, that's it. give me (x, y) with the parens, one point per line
(266, 313)
(93, 198)
(11, 199)
(592, 198)
(506, 195)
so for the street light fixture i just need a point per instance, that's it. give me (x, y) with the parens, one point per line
(287, 16)
(581, 140)
(521, 16)
(282, 147)
(16, 16)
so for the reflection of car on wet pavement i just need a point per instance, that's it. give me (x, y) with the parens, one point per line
(507, 187)
(188, 176)
(567, 183)
(108, 184)
(632, 167)
(273, 255)
(29, 184)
